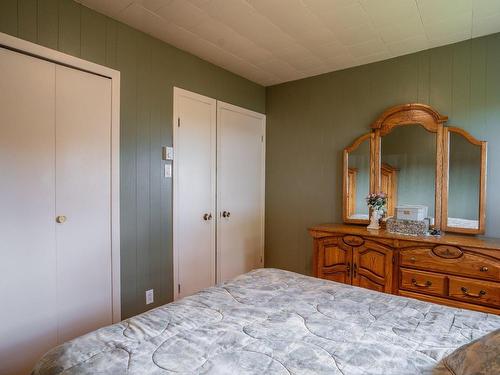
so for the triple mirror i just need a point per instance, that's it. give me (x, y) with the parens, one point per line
(416, 160)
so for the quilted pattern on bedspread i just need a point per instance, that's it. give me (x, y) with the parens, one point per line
(271, 321)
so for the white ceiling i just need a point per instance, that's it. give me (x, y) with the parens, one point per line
(274, 41)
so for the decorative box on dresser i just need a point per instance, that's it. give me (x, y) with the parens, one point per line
(455, 270)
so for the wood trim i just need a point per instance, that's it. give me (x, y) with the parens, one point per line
(464, 242)
(44, 53)
(345, 177)
(465, 134)
(376, 161)
(469, 261)
(438, 184)
(409, 114)
(482, 189)
(449, 302)
(390, 174)
(482, 181)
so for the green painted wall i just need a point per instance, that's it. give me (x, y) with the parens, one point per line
(310, 121)
(149, 70)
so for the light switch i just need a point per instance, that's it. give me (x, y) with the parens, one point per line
(167, 153)
(168, 170)
(150, 296)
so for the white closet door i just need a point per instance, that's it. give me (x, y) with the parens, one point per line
(240, 190)
(27, 228)
(83, 196)
(194, 192)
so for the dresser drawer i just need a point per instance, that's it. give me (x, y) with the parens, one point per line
(422, 282)
(475, 291)
(451, 259)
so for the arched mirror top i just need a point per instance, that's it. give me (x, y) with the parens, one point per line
(354, 145)
(466, 135)
(409, 114)
(438, 168)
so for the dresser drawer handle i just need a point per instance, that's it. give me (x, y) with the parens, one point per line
(483, 269)
(479, 295)
(413, 259)
(427, 284)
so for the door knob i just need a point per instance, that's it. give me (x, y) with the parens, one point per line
(226, 213)
(60, 219)
(207, 217)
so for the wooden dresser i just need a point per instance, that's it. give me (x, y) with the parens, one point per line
(455, 270)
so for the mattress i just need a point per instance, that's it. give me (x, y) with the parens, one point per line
(272, 321)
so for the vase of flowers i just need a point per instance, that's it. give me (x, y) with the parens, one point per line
(377, 203)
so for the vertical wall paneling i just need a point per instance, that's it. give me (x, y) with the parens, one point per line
(321, 115)
(126, 52)
(492, 131)
(69, 28)
(423, 77)
(441, 74)
(8, 16)
(93, 28)
(27, 20)
(48, 23)
(143, 167)
(149, 70)
(460, 87)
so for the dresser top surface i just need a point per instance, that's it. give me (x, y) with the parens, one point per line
(444, 239)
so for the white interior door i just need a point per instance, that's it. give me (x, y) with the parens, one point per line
(194, 192)
(83, 196)
(240, 190)
(27, 228)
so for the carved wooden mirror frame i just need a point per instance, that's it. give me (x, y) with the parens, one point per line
(433, 122)
(483, 147)
(345, 180)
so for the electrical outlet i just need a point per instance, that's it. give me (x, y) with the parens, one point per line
(150, 296)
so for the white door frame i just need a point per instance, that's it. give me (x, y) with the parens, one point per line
(35, 50)
(178, 92)
(262, 118)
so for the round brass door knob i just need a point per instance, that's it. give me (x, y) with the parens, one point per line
(61, 219)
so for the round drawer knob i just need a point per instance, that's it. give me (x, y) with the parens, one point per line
(61, 219)
(413, 259)
(483, 269)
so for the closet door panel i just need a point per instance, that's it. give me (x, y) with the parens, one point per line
(83, 191)
(27, 228)
(240, 184)
(194, 174)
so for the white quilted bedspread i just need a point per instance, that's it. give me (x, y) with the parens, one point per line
(271, 321)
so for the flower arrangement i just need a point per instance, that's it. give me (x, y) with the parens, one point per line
(377, 202)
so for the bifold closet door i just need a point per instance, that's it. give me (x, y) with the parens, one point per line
(27, 200)
(240, 190)
(194, 192)
(83, 201)
(55, 201)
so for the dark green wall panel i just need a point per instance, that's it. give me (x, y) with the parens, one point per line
(9, 16)
(149, 70)
(27, 19)
(310, 121)
(47, 23)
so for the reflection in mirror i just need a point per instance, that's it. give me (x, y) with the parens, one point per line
(408, 173)
(464, 183)
(358, 183)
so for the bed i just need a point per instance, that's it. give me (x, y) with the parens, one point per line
(271, 321)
